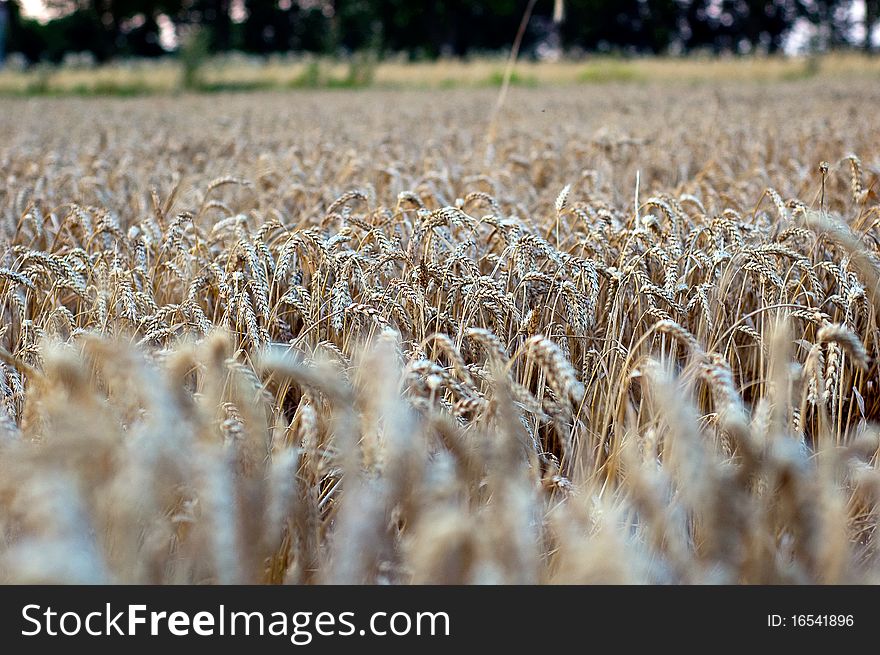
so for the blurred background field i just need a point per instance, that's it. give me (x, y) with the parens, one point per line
(235, 72)
(132, 47)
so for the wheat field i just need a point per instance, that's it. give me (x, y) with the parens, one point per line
(332, 337)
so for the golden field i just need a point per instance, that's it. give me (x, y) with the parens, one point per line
(337, 336)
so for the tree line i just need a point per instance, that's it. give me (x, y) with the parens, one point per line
(109, 29)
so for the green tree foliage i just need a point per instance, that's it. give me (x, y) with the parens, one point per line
(103, 28)
(4, 26)
(271, 28)
(872, 19)
(831, 16)
(112, 28)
